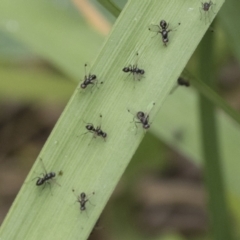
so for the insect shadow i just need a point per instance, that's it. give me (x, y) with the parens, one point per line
(163, 29)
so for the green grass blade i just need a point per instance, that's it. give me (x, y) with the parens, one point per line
(177, 124)
(229, 18)
(212, 96)
(55, 33)
(98, 167)
(219, 217)
(37, 85)
(111, 7)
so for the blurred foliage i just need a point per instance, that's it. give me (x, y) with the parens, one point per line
(39, 64)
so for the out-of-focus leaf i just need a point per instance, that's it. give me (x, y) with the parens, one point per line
(35, 84)
(229, 18)
(56, 32)
(11, 49)
(98, 166)
(178, 125)
(110, 6)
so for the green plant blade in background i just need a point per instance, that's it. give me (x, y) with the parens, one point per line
(214, 179)
(97, 167)
(179, 131)
(229, 18)
(34, 85)
(212, 96)
(110, 6)
(55, 33)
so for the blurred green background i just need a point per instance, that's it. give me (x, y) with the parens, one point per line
(43, 47)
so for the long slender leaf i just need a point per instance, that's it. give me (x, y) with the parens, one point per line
(229, 18)
(110, 6)
(56, 33)
(33, 85)
(94, 165)
(212, 96)
(215, 184)
(178, 125)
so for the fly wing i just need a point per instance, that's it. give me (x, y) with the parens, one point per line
(87, 68)
(154, 28)
(133, 113)
(149, 109)
(43, 166)
(99, 121)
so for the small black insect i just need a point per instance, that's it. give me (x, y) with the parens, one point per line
(141, 117)
(162, 28)
(82, 199)
(46, 177)
(144, 119)
(206, 6)
(89, 79)
(180, 82)
(133, 69)
(183, 82)
(97, 132)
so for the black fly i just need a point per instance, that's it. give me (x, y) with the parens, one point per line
(206, 8)
(183, 82)
(46, 177)
(89, 79)
(142, 117)
(133, 69)
(82, 199)
(97, 132)
(180, 82)
(162, 28)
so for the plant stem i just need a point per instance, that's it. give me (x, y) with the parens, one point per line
(111, 7)
(211, 95)
(219, 218)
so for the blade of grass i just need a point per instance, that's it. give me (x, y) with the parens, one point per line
(229, 18)
(177, 124)
(10, 48)
(211, 95)
(30, 39)
(37, 85)
(98, 167)
(214, 181)
(111, 7)
(56, 37)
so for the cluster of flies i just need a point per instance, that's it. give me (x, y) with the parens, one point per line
(163, 30)
(139, 118)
